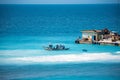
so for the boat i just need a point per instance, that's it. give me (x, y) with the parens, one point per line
(57, 47)
(84, 50)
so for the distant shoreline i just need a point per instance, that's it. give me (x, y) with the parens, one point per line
(66, 4)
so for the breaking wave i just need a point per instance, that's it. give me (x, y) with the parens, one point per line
(65, 58)
(117, 52)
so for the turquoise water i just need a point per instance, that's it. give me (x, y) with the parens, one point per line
(25, 29)
(23, 58)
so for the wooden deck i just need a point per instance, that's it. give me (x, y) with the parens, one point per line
(97, 42)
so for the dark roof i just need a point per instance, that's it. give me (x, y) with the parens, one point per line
(92, 31)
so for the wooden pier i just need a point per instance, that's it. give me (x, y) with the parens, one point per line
(98, 42)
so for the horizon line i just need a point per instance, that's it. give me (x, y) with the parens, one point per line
(59, 3)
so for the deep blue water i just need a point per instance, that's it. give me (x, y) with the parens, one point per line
(25, 29)
(57, 19)
(62, 72)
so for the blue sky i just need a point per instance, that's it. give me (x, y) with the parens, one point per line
(58, 1)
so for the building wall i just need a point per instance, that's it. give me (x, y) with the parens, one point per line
(88, 35)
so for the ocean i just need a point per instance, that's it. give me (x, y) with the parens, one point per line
(26, 28)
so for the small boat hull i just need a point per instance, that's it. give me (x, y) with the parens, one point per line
(54, 49)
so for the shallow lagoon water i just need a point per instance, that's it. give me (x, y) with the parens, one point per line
(23, 58)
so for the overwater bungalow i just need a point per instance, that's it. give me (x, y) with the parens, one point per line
(104, 36)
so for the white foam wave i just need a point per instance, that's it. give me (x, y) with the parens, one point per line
(94, 57)
(118, 52)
